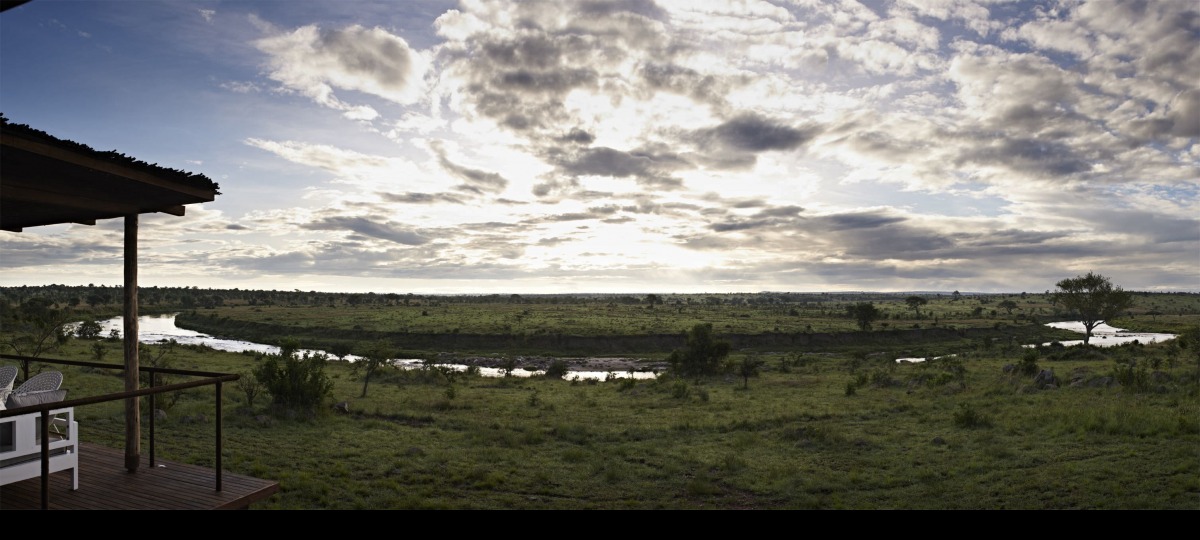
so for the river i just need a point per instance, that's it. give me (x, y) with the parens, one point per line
(159, 328)
(1103, 335)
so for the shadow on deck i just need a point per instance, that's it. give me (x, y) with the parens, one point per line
(104, 484)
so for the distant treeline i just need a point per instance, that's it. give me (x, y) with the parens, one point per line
(98, 296)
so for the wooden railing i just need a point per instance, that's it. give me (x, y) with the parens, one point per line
(215, 379)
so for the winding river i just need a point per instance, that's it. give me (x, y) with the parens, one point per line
(158, 328)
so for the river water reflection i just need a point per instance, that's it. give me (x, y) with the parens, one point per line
(1103, 335)
(159, 328)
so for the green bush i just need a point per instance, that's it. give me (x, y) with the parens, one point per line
(294, 381)
(557, 369)
(967, 417)
(1029, 365)
(702, 355)
(1129, 375)
(679, 390)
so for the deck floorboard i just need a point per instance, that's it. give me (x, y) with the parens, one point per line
(104, 484)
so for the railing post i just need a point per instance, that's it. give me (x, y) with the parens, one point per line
(153, 383)
(45, 429)
(218, 436)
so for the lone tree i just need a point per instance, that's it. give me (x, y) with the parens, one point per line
(1094, 298)
(1007, 305)
(915, 302)
(702, 355)
(864, 313)
(378, 355)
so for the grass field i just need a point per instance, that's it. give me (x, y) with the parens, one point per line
(842, 428)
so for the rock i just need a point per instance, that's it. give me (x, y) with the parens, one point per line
(1100, 382)
(1044, 377)
(264, 420)
(938, 441)
(160, 414)
(342, 407)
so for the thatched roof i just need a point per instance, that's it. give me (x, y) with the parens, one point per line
(45, 180)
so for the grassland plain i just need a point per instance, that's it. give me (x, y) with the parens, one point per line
(623, 325)
(841, 426)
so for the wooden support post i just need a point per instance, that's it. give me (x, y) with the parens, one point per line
(133, 415)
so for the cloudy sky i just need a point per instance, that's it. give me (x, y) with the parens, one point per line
(627, 145)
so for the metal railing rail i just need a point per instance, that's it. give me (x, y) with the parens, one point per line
(211, 378)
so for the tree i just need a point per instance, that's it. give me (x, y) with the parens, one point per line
(89, 329)
(340, 350)
(915, 302)
(702, 354)
(379, 354)
(864, 313)
(36, 327)
(1007, 305)
(749, 368)
(1094, 298)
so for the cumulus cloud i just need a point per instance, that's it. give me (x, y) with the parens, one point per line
(315, 62)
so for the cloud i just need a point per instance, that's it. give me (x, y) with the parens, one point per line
(374, 61)
(367, 227)
(477, 181)
(749, 132)
(422, 198)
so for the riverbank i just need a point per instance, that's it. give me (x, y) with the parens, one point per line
(541, 363)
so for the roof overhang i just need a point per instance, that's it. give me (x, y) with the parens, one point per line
(46, 181)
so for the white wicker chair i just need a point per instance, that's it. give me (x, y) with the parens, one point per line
(45, 381)
(8, 374)
(20, 447)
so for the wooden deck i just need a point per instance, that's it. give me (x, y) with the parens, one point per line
(104, 484)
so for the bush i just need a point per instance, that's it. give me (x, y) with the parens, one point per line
(1129, 375)
(557, 369)
(1029, 365)
(89, 329)
(294, 381)
(702, 355)
(680, 390)
(967, 417)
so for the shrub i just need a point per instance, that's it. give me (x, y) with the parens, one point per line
(89, 329)
(702, 355)
(1129, 375)
(967, 417)
(1029, 365)
(557, 369)
(294, 381)
(679, 390)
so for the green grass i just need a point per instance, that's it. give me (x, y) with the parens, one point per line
(793, 440)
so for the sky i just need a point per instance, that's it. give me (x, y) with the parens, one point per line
(626, 146)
